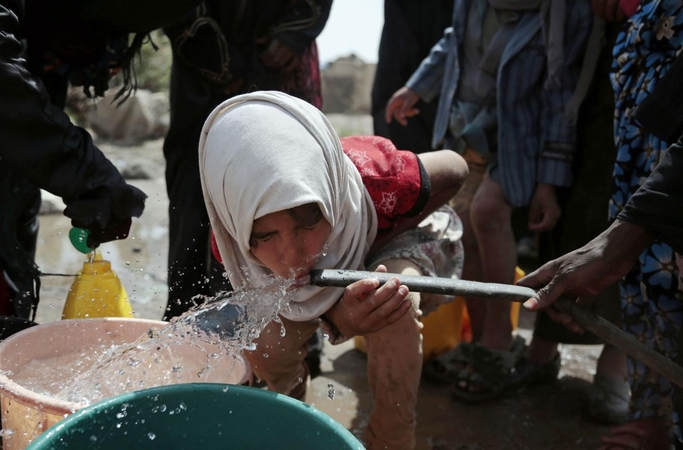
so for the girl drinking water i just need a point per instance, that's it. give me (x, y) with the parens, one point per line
(285, 195)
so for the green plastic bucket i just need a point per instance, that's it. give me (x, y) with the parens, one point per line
(198, 416)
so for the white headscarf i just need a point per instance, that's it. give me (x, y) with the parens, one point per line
(266, 152)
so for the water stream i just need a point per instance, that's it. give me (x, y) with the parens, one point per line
(203, 344)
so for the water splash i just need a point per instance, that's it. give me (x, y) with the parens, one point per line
(214, 334)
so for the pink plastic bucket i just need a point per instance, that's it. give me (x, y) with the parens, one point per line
(27, 414)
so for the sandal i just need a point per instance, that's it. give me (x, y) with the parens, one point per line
(444, 369)
(528, 372)
(608, 400)
(491, 371)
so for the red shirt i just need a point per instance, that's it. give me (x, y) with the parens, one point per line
(396, 180)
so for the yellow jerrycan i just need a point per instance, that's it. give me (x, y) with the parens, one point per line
(96, 292)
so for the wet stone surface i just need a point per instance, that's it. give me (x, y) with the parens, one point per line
(547, 417)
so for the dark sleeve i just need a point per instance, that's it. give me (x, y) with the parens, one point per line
(661, 113)
(658, 204)
(302, 23)
(397, 50)
(425, 191)
(40, 143)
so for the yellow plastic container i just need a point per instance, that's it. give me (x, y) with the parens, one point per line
(97, 292)
(448, 326)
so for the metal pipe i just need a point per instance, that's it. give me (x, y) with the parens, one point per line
(446, 286)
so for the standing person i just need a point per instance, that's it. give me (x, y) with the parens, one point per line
(331, 204)
(45, 46)
(410, 30)
(225, 48)
(505, 74)
(583, 218)
(655, 211)
(643, 54)
(640, 244)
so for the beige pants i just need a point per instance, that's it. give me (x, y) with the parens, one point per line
(394, 368)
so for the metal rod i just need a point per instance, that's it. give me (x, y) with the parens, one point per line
(446, 286)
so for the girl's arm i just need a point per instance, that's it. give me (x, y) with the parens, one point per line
(447, 171)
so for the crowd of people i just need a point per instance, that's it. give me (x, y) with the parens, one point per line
(570, 111)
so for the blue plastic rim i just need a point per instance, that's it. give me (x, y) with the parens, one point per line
(198, 416)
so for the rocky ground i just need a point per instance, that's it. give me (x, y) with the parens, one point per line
(547, 417)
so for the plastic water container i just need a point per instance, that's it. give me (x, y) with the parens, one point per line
(26, 413)
(97, 292)
(201, 416)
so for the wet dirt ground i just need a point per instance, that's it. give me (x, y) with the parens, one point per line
(547, 417)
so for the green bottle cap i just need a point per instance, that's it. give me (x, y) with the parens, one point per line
(79, 239)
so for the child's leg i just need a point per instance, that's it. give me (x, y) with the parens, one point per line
(462, 204)
(394, 367)
(491, 215)
(279, 360)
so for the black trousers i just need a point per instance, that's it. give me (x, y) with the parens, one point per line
(192, 269)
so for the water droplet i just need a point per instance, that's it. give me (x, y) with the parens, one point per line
(151, 436)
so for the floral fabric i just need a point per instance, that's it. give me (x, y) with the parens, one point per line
(652, 300)
(392, 177)
(400, 188)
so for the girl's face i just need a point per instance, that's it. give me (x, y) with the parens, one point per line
(290, 242)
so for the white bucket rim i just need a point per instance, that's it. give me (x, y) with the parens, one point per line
(51, 405)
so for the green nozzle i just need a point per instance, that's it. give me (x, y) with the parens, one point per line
(79, 239)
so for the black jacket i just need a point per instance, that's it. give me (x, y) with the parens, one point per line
(39, 146)
(658, 204)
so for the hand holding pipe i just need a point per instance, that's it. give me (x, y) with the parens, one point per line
(446, 286)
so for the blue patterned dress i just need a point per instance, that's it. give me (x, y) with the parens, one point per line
(652, 302)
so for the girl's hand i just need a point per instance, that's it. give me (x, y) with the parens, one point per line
(367, 308)
(544, 210)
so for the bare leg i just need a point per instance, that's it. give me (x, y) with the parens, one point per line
(279, 360)
(462, 204)
(394, 368)
(540, 351)
(612, 363)
(491, 215)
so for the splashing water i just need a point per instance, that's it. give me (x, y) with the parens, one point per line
(202, 345)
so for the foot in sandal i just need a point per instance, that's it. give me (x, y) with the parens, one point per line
(444, 369)
(490, 373)
(608, 400)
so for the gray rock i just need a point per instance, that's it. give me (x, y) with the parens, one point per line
(141, 117)
(135, 171)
